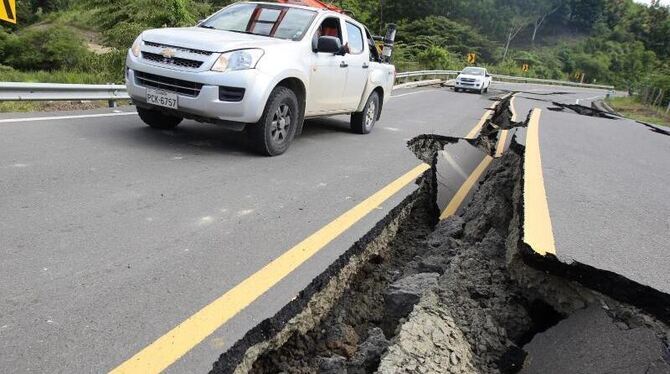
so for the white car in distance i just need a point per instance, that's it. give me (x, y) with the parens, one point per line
(473, 79)
(260, 67)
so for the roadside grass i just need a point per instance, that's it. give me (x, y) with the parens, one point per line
(632, 108)
(53, 106)
(58, 76)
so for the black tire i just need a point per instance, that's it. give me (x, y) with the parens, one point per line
(486, 90)
(456, 89)
(363, 122)
(158, 120)
(273, 133)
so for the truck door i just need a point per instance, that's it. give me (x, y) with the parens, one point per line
(358, 69)
(329, 73)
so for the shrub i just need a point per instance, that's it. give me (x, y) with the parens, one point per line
(43, 48)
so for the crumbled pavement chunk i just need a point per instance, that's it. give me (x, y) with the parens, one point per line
(370, 352)
(589, 341)
(429, 342)
(450, 227)
(342, 339)
(333, 365)
(401, 296)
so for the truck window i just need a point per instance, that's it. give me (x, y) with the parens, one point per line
(355, 35)
(329, 27)
(374, 53)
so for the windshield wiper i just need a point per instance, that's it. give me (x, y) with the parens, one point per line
(207, 27)
(242, 32)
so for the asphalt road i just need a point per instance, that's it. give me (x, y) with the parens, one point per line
(111, 233)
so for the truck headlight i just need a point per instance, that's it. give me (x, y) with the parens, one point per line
(136, 48)
(238, 60)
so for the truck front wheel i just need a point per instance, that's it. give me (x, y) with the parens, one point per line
(363, 122)
(274, 132)
(158, 120)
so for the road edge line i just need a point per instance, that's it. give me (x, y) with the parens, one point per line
(58, 118)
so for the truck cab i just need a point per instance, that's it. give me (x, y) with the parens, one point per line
(260, 67)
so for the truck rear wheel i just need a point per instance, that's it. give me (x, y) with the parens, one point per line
(363, 122)
(158, 120)
(273, 133)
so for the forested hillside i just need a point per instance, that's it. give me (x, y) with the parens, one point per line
(610, 41)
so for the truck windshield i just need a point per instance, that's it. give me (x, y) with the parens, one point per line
(473, 71)
(263, 19)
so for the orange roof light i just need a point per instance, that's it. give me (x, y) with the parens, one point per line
(312, 3)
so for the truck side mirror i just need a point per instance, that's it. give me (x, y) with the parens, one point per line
(329, 44)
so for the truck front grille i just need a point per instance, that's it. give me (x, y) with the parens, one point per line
(189, 50)
(468, 80)
(176, 61)
(182, 87)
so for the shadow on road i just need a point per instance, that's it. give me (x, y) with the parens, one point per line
(194, 138)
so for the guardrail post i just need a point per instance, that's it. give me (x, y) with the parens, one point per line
(111, 103)
(667, 110)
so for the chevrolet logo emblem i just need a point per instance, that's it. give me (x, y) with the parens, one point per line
(168, 53)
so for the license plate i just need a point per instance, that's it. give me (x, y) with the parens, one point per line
(162, 98)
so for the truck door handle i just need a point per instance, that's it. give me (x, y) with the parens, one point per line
(366, 65)
(344, 64)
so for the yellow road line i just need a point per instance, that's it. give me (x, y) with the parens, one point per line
(502, 141)
(473, 133)
(538, 232)
(463, 192)
(163, 352)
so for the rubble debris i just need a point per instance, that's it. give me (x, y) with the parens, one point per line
(429, 342)
(401, 296)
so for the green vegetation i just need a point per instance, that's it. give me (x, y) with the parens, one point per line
(631, 107)
(616, 42)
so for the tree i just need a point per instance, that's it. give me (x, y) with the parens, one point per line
(122, 20)
(516, 24)
(543, 9)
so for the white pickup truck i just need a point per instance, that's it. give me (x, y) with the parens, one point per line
(263, 67)
(473, 79)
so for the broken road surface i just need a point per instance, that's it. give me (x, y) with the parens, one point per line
(116, 236)
(609, 215)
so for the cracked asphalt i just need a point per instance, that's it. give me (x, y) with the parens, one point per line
(112, 233)
(605, 181)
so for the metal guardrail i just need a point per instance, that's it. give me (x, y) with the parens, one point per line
(13, 91)
(426, 73)
(499, 77)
